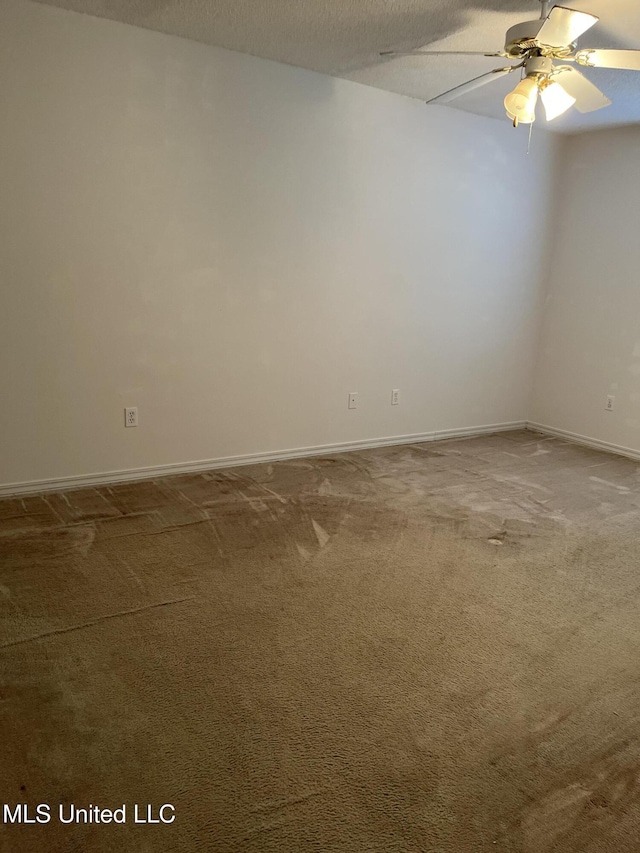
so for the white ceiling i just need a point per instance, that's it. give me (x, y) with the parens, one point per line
(343, 38)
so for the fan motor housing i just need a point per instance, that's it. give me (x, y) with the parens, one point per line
(521, 39)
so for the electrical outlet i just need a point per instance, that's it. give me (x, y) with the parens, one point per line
(395, 396)
(131, 416)
(609, 404)
(353, 399)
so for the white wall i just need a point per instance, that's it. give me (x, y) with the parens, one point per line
(233, 245)
(590, 344)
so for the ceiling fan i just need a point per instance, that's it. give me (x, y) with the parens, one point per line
(542, 48)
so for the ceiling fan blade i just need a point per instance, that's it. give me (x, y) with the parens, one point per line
(463, 88)
(629, 59)
(563, 26)
(588, 97)
(438, 53)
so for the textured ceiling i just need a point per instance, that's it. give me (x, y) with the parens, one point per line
(344, 38)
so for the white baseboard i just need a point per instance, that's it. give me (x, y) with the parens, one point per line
(471, 432)
(575, 437)
(59, 484)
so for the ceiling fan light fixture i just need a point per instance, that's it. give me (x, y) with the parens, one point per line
(555, 100)
(539, 46)
(521, 103)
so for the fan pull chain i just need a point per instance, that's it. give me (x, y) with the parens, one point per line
(529, 139)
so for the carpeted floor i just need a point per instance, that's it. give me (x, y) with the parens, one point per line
(430, 648)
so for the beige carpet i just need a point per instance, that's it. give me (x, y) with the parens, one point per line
(432, 649)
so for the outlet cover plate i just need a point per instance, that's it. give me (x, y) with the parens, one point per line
(131, 416)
